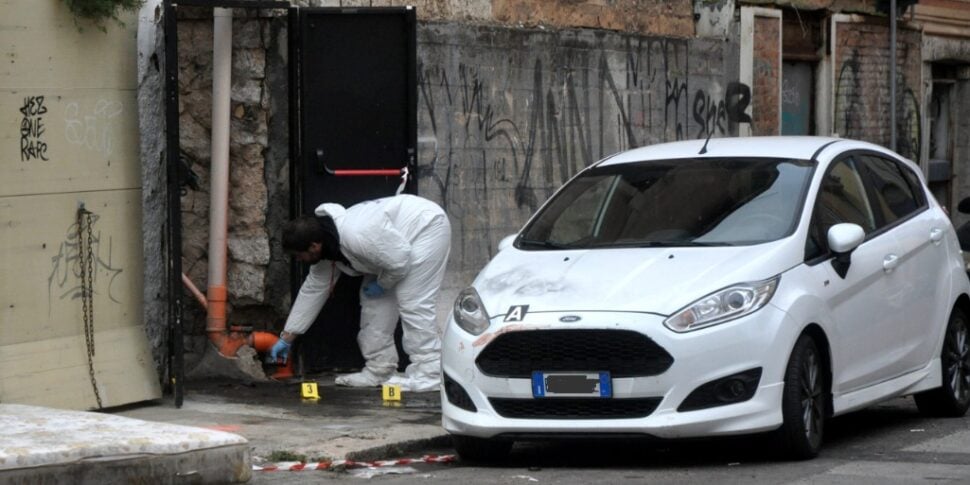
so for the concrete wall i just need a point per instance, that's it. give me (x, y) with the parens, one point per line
(507, 115)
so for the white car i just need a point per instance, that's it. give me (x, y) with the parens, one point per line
(696, 289)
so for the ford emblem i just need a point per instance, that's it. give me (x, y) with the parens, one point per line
(570, 318)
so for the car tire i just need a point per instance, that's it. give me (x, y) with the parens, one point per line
(803, 402)
(481, 450)
(953, 398)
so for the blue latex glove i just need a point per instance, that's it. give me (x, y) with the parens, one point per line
(280, 350)
(373, 290)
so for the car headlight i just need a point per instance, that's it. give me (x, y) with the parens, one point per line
(723, 305)
(470, 313)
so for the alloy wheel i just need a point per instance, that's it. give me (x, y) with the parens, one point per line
(957, 362)
(812, 397)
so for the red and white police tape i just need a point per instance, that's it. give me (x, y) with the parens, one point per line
(293, 466)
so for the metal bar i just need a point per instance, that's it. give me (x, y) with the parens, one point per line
(892, 76)
(295, 33)
(231, 4)
(411, 185)
(378, 172)
(174, 223)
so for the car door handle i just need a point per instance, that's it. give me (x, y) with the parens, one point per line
(936, 235)
(890, 262)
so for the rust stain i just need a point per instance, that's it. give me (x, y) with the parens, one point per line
(229, 428)
(488, 337)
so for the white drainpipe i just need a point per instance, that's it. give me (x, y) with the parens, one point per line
(219, 172)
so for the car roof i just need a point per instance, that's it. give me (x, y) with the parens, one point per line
(799, 147)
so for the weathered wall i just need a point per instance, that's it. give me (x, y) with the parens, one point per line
(71, 334)
(669, 18)
(506, 116)
(674, 18)
(862, 102)
(258, 151)
(766, 59)
(937, 49)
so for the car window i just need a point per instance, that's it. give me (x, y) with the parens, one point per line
(889, 189)
(579, 222)
(841, 198)
(689, 202)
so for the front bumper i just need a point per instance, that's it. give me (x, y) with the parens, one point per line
(760, 340)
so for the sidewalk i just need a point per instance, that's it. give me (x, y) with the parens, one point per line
(222, 429)
(345, 423)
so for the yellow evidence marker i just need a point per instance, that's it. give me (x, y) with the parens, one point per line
(391, 392)
(308, 390)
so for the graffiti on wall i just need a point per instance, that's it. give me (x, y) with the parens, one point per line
(32, 145)
(862, 111)
(500, 135)
(64, 280)
(92, 128)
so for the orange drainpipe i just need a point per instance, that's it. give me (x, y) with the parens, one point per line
(227, 342)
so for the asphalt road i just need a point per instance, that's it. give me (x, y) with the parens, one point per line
(886, 444)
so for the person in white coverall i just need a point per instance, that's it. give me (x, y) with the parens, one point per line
(400, 244)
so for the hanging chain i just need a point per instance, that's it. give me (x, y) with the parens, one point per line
(86, 261)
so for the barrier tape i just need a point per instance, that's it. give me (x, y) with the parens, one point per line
(294, 466)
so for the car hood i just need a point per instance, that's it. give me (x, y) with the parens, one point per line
(655, 280)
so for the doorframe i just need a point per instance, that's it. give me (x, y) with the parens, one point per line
(173, 231)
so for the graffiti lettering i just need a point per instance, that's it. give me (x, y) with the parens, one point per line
(32, 128)
(64, 280)
(93, 129)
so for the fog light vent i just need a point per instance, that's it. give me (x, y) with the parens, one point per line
(457, 395)
(732, 389)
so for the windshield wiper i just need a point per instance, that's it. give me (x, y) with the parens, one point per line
(664, 244)
(533, 243)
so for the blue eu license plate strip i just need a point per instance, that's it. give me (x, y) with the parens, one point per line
(572, 384)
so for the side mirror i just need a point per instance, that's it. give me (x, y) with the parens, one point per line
(506, 241)
(964, 206)
(843, 239)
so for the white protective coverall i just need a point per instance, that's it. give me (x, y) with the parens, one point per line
(403, 241)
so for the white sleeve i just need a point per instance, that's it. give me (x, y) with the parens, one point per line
(313, 294)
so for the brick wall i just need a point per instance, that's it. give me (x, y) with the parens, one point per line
(767, 76)
(862, 103)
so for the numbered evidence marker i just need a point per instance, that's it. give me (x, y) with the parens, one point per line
(308, 390)
(391, 392)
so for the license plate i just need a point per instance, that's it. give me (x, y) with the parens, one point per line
(571, 384)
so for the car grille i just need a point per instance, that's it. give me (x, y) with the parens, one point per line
(575, 408)
(624, 353)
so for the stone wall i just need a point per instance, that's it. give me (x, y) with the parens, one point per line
(256, 296)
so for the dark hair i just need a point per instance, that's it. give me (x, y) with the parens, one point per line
(305, 230)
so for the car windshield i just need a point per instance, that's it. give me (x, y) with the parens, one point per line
(692, 202)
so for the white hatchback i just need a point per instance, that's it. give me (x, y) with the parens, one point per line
(687, 290)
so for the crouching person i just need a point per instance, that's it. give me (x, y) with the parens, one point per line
(400, 244)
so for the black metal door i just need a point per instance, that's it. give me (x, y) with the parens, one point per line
(357, 100)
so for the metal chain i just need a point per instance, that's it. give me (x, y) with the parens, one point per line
(86, 260)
